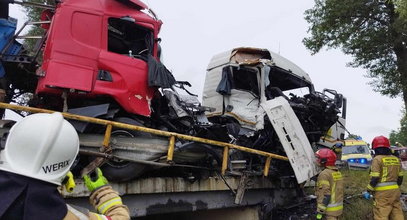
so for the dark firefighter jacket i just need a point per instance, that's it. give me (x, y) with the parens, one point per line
(24, 198)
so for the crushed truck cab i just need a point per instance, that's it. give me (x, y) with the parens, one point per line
(253, 89)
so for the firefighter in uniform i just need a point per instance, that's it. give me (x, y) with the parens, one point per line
(385, 178)
(329, 188)
(35, 159)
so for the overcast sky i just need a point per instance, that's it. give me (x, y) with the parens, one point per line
(193, 31)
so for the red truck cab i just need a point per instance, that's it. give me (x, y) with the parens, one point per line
(99, 48)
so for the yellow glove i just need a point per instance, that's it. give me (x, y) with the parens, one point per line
(69, 182)
(98, 181)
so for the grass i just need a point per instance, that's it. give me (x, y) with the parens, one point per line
(357, 207)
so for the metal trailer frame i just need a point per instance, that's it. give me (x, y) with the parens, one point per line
(173, 195)
(171, 135)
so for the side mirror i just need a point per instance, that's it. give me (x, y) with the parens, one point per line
(338, 100)
(128, 18)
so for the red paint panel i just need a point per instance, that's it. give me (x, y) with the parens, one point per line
(76, 49)
(130, 88)
(86, 28)
(66, 75)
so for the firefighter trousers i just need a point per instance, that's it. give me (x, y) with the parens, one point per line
(387, 206)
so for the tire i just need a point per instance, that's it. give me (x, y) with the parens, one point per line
(122, 171)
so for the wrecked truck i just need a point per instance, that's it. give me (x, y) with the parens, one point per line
(267, 102)
(118, 76)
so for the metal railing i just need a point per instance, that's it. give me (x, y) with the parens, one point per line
(171, 135)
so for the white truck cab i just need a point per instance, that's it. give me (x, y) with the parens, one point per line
(252, 86)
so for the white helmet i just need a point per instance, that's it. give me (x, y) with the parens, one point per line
(41, 146)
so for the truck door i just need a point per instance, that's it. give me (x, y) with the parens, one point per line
(124, 65)
(244, 102)
(292, 137)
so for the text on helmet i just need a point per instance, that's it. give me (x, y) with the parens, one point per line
(54, 167)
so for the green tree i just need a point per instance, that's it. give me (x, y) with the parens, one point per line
(33, 14)
(371, 31)
(402, 8)
(400, 135)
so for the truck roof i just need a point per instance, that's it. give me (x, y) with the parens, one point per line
(253, 55)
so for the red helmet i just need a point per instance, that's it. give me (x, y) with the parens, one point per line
(380, 141)
(326, 157)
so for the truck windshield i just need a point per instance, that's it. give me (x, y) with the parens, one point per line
(283, 83)
(286, 80)
(356, 149)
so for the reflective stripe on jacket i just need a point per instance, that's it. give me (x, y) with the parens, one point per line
(108, 204)
(330, 183)
(387, 168)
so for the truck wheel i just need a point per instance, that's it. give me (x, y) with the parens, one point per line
(118, 170)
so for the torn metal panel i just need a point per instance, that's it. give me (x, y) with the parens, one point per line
(246, 55)
(292, 137)
(249, 55)
(241, 189)
(237, 55)
(244, 107)
(175, 103)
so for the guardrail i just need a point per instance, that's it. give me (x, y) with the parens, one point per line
(171, 135)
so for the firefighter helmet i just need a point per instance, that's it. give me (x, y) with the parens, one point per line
(41, 146)
(325, 157)
(380, 141)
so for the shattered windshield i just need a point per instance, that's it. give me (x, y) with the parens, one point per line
(283, 83)
(356, 149)
(285, 80)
